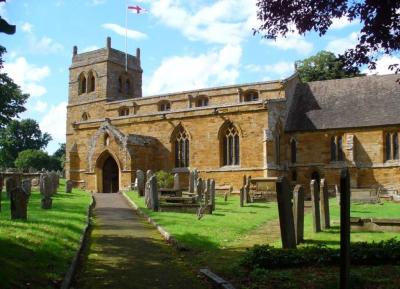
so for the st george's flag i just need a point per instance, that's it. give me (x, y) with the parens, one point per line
(138, 9)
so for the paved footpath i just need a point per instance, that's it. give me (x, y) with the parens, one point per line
(127, 252)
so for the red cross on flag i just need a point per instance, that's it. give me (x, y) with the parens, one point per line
(138, 9)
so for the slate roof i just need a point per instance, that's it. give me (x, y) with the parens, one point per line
(345, 103)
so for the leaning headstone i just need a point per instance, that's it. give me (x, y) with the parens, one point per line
(153, 194)
(298, 212)
(345, 229)
(247, 189)
(176, 182)
(147, 194)
(19, 203)
(27, 186)
(11, 184)
(324, 205)
(286, 221)
(241, 196)
(68, 186)
(199, 189)
(315, 206)
(207, 192)
(140, 182)
(212, 194)
(46, 189)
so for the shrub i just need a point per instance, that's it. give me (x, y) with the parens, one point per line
(35, 159)
(164, 179)
(361, 253)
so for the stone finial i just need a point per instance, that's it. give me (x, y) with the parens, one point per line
(108, 42)
(75, 50)
(138, 55)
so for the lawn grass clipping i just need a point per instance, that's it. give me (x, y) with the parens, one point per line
(37, 253)
(225, 227)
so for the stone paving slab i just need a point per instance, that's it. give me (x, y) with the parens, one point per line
(126, 252)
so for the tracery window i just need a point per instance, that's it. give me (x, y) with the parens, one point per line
(82, 84)
(181, 149)
(337, 148)
(92, 82)
(392, 146)
(230, 146)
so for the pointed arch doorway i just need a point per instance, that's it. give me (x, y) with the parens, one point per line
(107, 174)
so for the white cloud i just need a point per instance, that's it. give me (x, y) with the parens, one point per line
(43, 45)
(90, 48)
(188, 72)
(292, 41)
(223, 22)
(27, 27)
(121, 31)
(340, 45)
(40, 106)
(342, 22)
(382, 65)
(54, 122)
(281, 69)
(27, 75)
(97, 2)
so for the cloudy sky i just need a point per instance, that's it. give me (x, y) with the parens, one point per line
(185, 45)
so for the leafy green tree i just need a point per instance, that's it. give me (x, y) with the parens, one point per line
(19, 136)
(379, 22)
(12, 99)
(323, 66)
(35, 159)
(59, 157)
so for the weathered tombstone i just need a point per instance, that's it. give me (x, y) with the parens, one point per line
(68, 186)
(46, 189)
(207, 192)
(176, 181)
(140, 182)
(286, 221)
(11, 184)
(324, 204)
(226, 196)
(241, 196)
(149, 174)
(153, 194)
(199, 189)
(191, 182)
(19, 203)
(35, 182)
(298, 212)
(344, 229)
(27, 186)
(212, 194)
(337, 192)
(315, 206)
(247, 190)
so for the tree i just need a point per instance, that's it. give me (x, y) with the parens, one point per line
(59, 155)
(35, 159)
(12, 99)
(323, 66)
(380, 20)
(19, 136)
(4, 26)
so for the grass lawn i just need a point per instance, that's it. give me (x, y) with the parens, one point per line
(37, 253)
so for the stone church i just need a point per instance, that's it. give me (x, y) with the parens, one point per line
(262, 129)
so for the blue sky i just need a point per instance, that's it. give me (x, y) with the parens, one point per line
(184, 44)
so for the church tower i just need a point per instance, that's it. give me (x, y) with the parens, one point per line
(104, 74)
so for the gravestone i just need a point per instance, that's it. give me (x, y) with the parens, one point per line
(315, 206)
(207, 192)
(147, 192)
(11, 184)
(191, 182)
(176, 181)
(68, 186)
(199, 189)
(140, 182)
(154, 205)
(286, 220)
(247, 190)
(337, 193)
(298, 212)
(46, 189)
(35, 182)
(27, 186)
(344, 229)
(212, 189)
(241, 196)
(324, 205)
(19, 203)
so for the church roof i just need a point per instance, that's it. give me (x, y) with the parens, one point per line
(345, 103)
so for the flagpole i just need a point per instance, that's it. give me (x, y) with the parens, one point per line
(126, 35)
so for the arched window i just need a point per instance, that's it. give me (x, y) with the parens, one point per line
(392, 146)
(337, 148)
(164, 106)
(120, 84)
(123, 111)
(91, 82)
(293, 151)
(127, 86)
(181, 148)
(230, 146)
(202, 101)
(85, 116)
(250, 95)
(82, 84)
